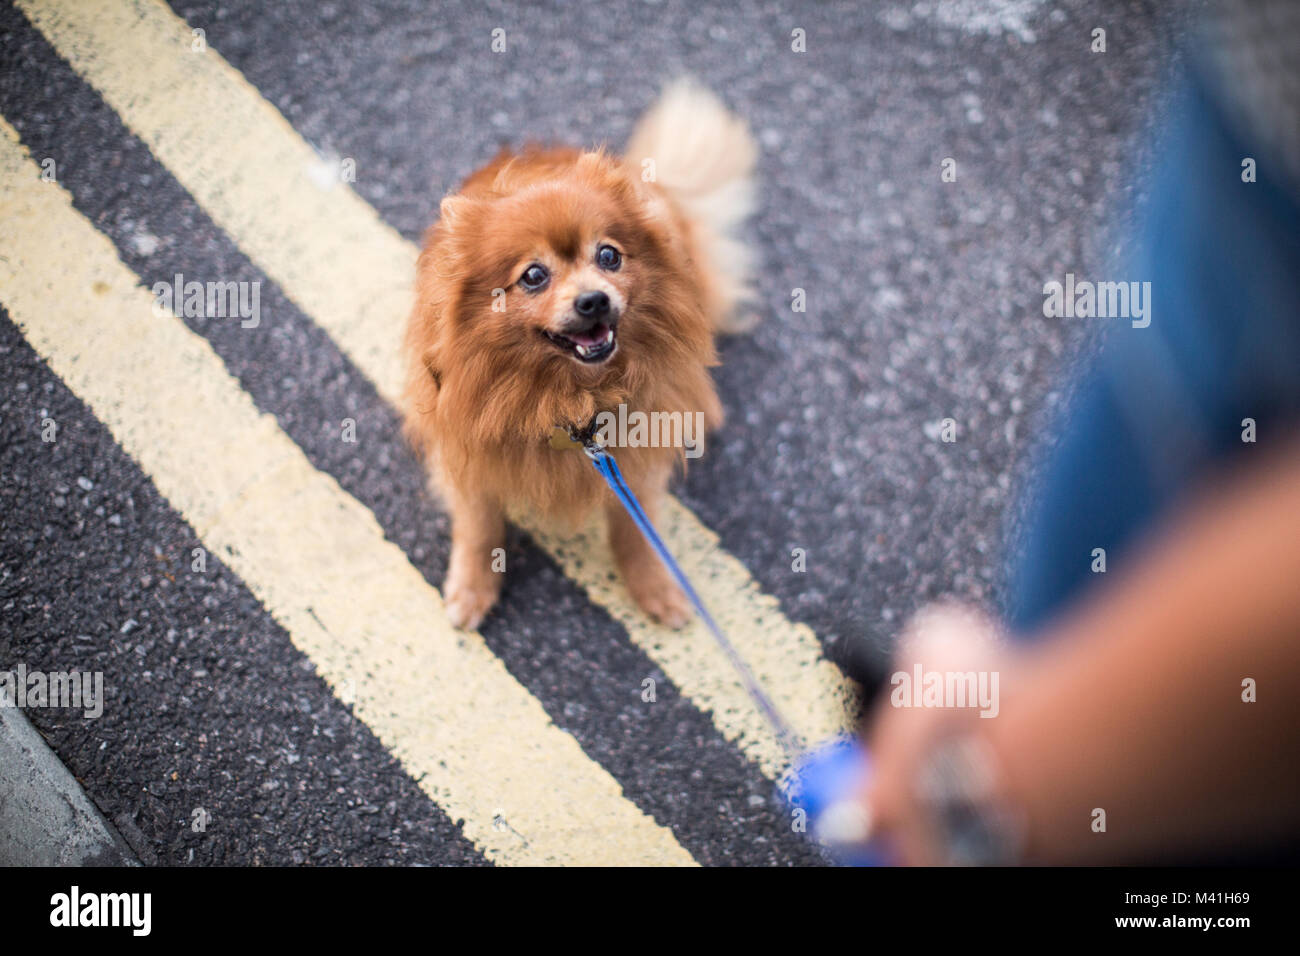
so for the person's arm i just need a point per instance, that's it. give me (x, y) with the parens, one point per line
(1133, 704)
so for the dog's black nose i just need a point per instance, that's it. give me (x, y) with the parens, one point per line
(592, 305)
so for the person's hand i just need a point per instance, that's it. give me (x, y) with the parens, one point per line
(943, 639)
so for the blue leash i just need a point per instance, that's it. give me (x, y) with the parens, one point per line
(819, 782)
(608, 469)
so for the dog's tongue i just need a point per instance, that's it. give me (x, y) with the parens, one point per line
(594, 336)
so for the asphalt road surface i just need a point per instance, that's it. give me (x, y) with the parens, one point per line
(924, 302)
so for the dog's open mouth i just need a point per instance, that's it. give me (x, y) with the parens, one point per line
(593, 346)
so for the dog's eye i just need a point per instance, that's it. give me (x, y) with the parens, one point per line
(534, 277)
(608, 258)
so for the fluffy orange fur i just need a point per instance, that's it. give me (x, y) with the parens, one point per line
(486, 387)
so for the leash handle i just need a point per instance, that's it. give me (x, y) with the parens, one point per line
(608, 469)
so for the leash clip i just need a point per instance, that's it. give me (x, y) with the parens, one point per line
(587, 439)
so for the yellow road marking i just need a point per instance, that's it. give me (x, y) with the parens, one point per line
(809, 689)
(342, 265)
(478, 743)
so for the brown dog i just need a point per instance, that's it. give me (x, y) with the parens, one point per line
(558, 284)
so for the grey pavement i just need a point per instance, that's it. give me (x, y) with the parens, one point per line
(46, 819)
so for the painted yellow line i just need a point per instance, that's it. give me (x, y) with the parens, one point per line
(333, 256)
(809, 689)
(151, 50)
(478, 743)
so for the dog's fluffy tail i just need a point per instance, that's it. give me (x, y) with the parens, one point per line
(692, 146)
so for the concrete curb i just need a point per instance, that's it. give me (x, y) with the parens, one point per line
(46, 819)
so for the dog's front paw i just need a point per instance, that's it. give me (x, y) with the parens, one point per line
(662, 599)
(469, 598)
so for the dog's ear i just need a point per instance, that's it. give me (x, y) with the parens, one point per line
(454, 232)
(607, 172)
(453, 210)
(651, 202)
(592, 161)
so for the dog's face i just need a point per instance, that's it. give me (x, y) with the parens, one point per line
(557, 265)
(572, 287)
(556, 284)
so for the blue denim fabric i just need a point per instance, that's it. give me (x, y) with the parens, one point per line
(1163, 405)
